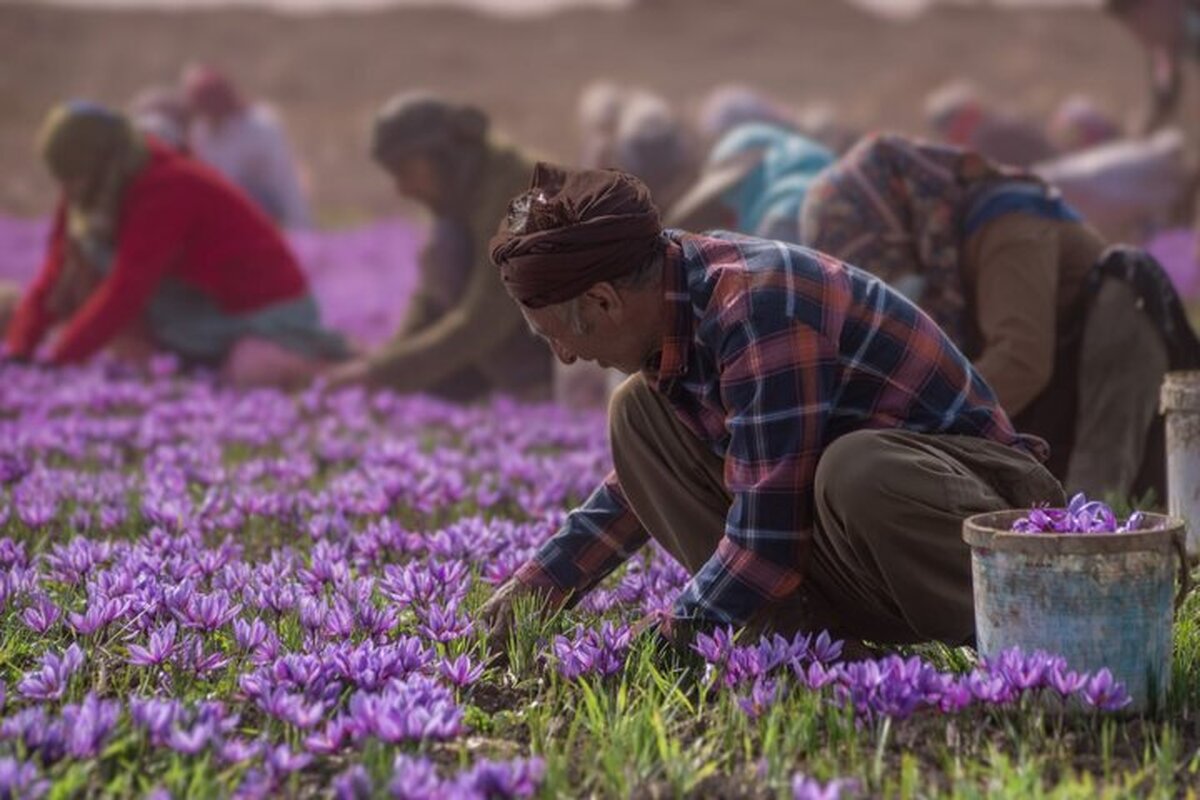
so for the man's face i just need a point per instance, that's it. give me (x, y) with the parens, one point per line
(607, 340)
(417, 179)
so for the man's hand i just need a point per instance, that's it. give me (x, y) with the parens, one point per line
(497, 614)
(350, 373)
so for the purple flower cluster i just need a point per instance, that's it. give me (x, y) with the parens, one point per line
(1080, 516)
(416, 778)
(806, 788)
(286, 583)
(893, 686)
(592, 651)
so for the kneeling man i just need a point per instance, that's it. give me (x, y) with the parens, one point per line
(803, 439)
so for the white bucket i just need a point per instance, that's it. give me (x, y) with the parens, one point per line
(1181, 405)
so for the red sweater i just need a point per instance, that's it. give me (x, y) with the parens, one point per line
(178, 218)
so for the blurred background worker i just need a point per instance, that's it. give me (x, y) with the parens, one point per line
(246, 143)
(461, 336)
(151, 249)
(1074, 336)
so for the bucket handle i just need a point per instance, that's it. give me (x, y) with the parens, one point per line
(1179, 539)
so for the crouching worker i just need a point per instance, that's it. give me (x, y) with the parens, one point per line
(154, 248)
(1074, 336)
(799, 436)
(461, 337)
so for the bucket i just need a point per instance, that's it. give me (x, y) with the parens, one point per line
(1098, 600)
(1181, 405)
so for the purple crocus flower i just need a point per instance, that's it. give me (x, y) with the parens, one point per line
(99, 615)
(249, 635)
(88, 725)
(159, 651)
(461, 671)
(49, 680)
(761, 697)
(1105, 693)
(193, 741)
(155, 716)
(41, 615)
(210, 612)
(353, 784)
(1080, 516)
(414, 778)
(237, 750)
(444, 623)
(806, 788)
(520, 777)
(20, 779)
(1066, 682)
(282, 761)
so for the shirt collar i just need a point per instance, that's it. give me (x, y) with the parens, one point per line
(678, 323)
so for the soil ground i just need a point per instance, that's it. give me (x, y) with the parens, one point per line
(328, 72)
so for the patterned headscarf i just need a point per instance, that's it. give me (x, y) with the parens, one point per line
(894, 207)
(777, 184)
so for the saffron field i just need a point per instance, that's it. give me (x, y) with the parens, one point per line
(207, 593)
(211, 593)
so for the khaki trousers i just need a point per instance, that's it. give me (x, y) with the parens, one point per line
(888, 563)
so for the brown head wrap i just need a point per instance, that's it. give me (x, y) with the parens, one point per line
(603, 226)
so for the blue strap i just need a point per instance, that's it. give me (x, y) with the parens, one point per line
(1017, 197)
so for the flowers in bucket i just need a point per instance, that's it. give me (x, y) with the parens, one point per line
(1080, 516)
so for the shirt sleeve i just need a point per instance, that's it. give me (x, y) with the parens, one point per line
(775, 380)
(459, 338)
(154, 223)
(1016, 298)
(596, 538)
(33, 316)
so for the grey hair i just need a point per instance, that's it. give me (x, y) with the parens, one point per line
(645, 276)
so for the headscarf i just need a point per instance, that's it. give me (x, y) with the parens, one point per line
(415, 123)
(773, 191)
(894, 207)
(955, 111)
(87, 143)
(650, 142)
(454, 136)
(603, 226)
(162, 112)
(99, 149)
(210, 93)
(1078, 123)
(598, 114)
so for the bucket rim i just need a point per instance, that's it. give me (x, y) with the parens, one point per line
(1180, 391)
(992, 530)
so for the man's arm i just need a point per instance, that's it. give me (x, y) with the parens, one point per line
(1016, 299)
(775, 382)
(33, 316)
(153, 226)
(460, 338)
(596, 538)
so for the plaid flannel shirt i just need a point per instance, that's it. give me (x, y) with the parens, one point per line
(772, 352)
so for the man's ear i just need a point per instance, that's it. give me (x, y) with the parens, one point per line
(605, 298)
